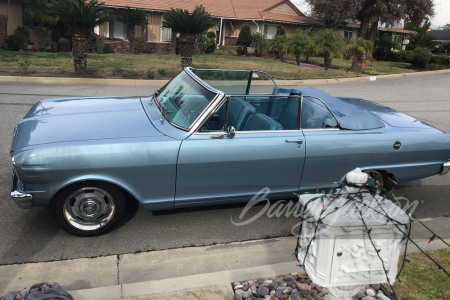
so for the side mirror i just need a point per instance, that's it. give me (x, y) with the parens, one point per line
(231, 132)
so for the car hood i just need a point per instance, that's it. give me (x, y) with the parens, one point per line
(80, 119)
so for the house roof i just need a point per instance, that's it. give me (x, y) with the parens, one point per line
(230, 9)
(440, 35)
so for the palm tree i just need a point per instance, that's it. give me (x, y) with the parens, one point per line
(187, 25)
(131, 18)
(82, 16)
(279, 45)
(359, 48)
(329, 43)
(298, 43)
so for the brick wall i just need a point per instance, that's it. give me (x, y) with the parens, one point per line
(157, 47)
(230, 41)
(118, 46)
(3, 29)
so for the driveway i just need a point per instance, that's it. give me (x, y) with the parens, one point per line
(33, 235)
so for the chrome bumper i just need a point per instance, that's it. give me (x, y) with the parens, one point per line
(445, 168)
(22, 200)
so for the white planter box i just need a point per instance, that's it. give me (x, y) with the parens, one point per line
(342, 253)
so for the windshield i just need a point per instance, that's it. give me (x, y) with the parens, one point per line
(236, 82)
(183, 99)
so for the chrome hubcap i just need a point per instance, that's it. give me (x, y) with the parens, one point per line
(89, 208)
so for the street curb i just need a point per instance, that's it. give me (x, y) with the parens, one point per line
(143, 83)
(179, 284)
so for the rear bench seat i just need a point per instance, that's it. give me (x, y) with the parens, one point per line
(259, 121)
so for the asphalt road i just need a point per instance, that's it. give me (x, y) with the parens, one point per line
(33, 235)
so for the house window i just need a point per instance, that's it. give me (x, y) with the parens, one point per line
(166, 33)
(398, 42)
(348, 34)
(117, 30)
(253, 27)
(270, 31)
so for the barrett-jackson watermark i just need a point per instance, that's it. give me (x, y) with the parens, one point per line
(287, 209)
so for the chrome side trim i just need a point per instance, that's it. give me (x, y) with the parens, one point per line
(445, 168)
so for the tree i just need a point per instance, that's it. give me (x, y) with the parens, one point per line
(39, 11)
(279, 45)
(188, 26)
(259, 43)
(370, 12)
(384, 46)
(446, 27)
(131, 18)
(82, 17)
(421, 38)
(359, 49)
(329, 43)
(244, 40)
(298, 43)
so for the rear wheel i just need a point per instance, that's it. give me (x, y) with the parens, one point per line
(382, 181)
(90, 208)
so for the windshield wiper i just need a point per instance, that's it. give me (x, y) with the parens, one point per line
(153, 97)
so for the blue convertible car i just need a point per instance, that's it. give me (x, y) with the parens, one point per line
(208, 137)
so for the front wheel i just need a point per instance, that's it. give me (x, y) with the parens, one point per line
(88, 209)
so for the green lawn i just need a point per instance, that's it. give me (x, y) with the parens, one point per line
(373, 67)
(422, 280)
(156, 66)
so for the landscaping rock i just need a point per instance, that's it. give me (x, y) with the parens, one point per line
(376, 287)
(238, 287)
(303, 286)
(361, 294)
(262, 291)
(371, 292)
(369, 298)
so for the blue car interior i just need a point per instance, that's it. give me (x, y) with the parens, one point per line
(256, 113)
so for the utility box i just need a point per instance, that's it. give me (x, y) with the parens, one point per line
(340, 251)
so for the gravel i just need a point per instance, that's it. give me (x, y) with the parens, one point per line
(295, 286)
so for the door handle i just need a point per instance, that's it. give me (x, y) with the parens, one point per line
(297, 141)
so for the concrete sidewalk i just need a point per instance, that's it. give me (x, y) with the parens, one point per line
(184, 273)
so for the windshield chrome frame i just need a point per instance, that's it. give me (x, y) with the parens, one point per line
(205, 113)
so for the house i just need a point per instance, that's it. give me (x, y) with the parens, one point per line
(399, 36)
(442, 38)
(11, 17)
(263, 16)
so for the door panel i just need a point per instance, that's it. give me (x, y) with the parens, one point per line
(235, 169)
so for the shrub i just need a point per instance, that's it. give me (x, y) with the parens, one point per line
(18, 41)
(228, 50)
(63, 45)
(53, 47)
(245, 37)
(259, 43)
(440, 59)
(405, 56)
(138, 45)
(100, 44)
(421, 58)
(279, 46)
(151, 73)
(205, 42)
(11, 43)
(45, 38)
(383, 47)
(162, 72)
(241, 51)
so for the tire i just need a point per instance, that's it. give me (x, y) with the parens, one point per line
(383, 182)
(89, 208)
